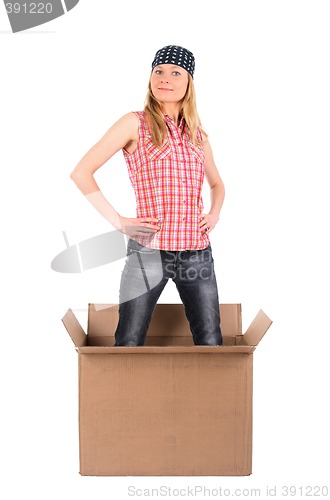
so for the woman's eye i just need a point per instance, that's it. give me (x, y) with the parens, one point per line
(176, 73)
(158, 72)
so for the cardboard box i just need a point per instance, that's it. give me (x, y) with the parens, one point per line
(168, 408)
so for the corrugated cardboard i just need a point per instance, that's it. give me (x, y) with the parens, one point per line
(168, 408)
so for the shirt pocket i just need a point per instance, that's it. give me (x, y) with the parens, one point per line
(195, 167)
(197, 151)
(154, 152)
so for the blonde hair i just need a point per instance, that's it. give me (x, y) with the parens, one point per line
(155, 117)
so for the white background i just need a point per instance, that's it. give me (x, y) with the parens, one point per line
(262, 80)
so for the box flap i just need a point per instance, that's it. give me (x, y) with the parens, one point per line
(74, 329)
(168, 320)
(231, 319)
(102, 320)
(257, 329)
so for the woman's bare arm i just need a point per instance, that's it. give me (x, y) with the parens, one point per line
(217, 190)
(123, 134)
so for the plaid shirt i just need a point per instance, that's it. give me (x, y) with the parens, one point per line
(168, 183)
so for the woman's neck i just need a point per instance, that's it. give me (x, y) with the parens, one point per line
(173, 111)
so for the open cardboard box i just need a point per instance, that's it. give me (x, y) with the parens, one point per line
(168, 408)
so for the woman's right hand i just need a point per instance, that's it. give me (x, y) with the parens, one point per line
(138, 226)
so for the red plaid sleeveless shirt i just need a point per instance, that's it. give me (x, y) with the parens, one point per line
(168, 185)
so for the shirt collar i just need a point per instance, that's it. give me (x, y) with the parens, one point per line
(170, 122)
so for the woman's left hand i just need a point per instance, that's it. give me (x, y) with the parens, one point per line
(208, 222)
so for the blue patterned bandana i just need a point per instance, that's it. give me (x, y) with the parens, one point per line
(173, 54)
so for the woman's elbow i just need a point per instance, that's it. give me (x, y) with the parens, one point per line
(76, 175)
(219, 186)
(223, 189)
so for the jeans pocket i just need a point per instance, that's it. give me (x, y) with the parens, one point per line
(135, 247)
(206, 255)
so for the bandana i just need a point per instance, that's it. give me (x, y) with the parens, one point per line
(174, 54)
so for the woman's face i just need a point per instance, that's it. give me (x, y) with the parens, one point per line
(169, 83)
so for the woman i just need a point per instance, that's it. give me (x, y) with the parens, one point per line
(167, 156)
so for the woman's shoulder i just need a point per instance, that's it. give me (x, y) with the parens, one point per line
(142, 119)
(128, 123)
(139, 114)
(134, 117)
(131, 116)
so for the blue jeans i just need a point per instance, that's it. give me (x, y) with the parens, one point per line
(144, 277)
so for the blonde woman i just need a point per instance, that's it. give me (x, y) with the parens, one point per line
(167, 155)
